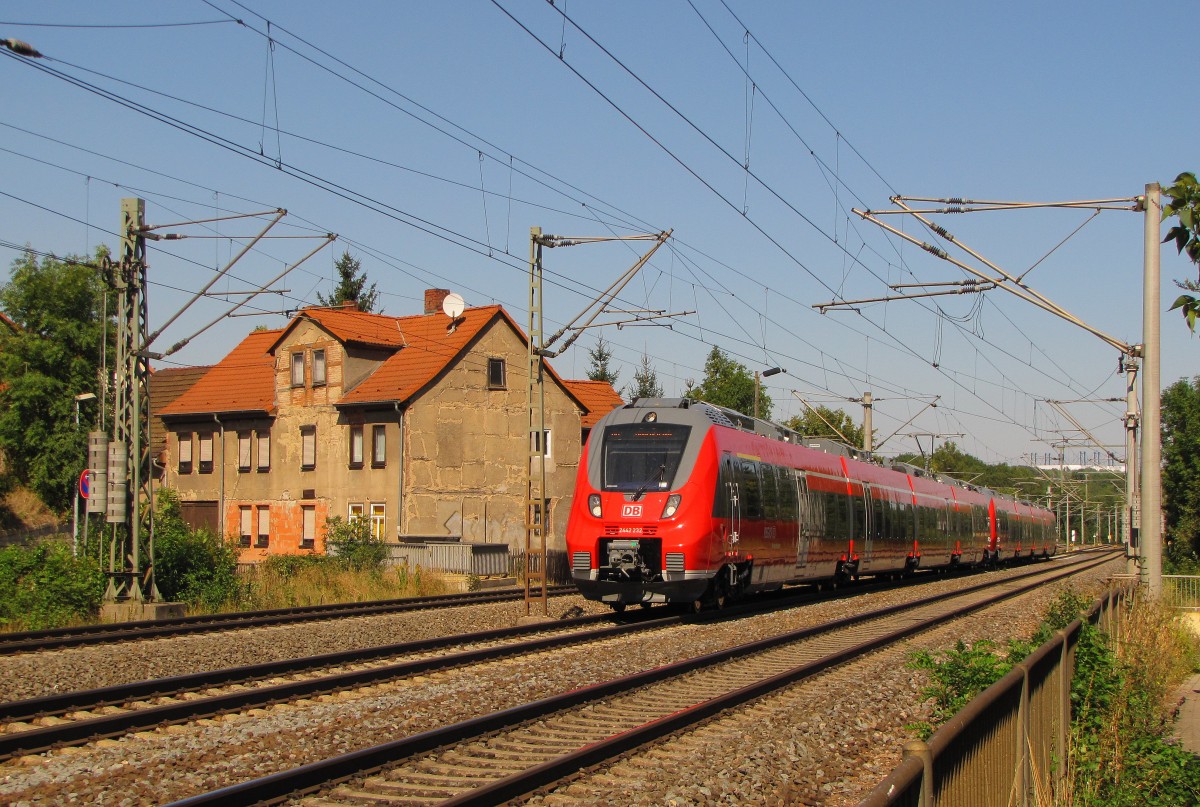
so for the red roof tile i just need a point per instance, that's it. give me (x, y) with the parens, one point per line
(598, 399)
(428, 347)
(166, 385)
(353, 327)
(243, 381)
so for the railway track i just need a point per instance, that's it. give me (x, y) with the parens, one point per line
(34, 641)
(72, 718)
(510, 753)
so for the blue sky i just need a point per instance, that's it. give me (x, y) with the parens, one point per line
(430, 137)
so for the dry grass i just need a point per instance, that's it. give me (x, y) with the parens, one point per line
(20, 508)
(325, 584)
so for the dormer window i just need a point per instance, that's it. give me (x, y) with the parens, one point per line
(318, 368)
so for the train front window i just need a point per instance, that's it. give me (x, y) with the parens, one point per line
(643, 456)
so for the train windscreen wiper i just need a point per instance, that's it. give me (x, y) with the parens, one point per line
(641, 489)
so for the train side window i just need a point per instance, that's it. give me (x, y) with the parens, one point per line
(879, 513)
(770, 491)
(722, 507)
(751, 492)
(837, 514)
(901, 521)
(859, 505)
(787, 494)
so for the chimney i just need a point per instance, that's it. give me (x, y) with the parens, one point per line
(349, 305)
(433, 300)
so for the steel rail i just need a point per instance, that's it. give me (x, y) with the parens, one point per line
(149, 629)
(320, 775)
(82, 730)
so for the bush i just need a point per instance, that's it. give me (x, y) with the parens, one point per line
(1121, 751)
(192, 566)
(44, 586)
(353, 545)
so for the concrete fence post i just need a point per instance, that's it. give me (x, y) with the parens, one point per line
(917, 748)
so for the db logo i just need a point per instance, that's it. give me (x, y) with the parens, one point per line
(631, 511)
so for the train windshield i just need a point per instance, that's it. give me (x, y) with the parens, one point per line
(643, 456)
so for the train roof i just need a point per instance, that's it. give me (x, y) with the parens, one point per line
(730, 418)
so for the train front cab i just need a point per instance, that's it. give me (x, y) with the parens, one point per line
(640, 530)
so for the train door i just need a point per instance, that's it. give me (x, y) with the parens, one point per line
(732, 491)
(867, 528)
(805, 518)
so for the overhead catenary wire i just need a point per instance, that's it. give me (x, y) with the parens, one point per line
(755, 340)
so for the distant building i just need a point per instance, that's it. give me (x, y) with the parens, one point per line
(417, 424)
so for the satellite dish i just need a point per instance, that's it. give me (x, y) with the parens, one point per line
(453, 305)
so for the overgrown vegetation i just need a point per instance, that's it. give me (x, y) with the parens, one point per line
(192, 566)
(352, 546)
(1121, 752)
(43, 586)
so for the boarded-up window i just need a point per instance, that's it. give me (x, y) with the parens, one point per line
(206, 453)
(245, 525)
(243, 451)
(201, 515)
(264, 451)
(185, 453)
(264, 526)
(308, 448)
(318, 368)
(309, 535)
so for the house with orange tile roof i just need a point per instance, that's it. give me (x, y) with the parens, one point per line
(417, 424)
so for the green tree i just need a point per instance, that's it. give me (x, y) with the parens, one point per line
(818, 424)
(1181, 462)
(192, 566)
(601, 357)
(645, 382)
(351, 286)
(728, 383)
(351, 543)
(52, 356)
(1183, 204)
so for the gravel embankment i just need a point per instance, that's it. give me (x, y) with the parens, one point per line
(840, 736)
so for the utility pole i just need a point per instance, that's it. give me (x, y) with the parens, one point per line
(129, 478)
(1144, 501)
(123, 475)
(537, 505)
(868, 427)
(1151, 516)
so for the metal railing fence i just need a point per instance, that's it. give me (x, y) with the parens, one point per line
(1181, 591)
(1007, 747)
(481, 560)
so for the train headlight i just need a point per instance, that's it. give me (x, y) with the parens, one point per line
(594, 505)
(671, 506)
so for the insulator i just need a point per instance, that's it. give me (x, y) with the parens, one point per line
(98, 465)
(954, 209)
(118, 483)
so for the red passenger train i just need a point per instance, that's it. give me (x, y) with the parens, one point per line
(683, 501)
